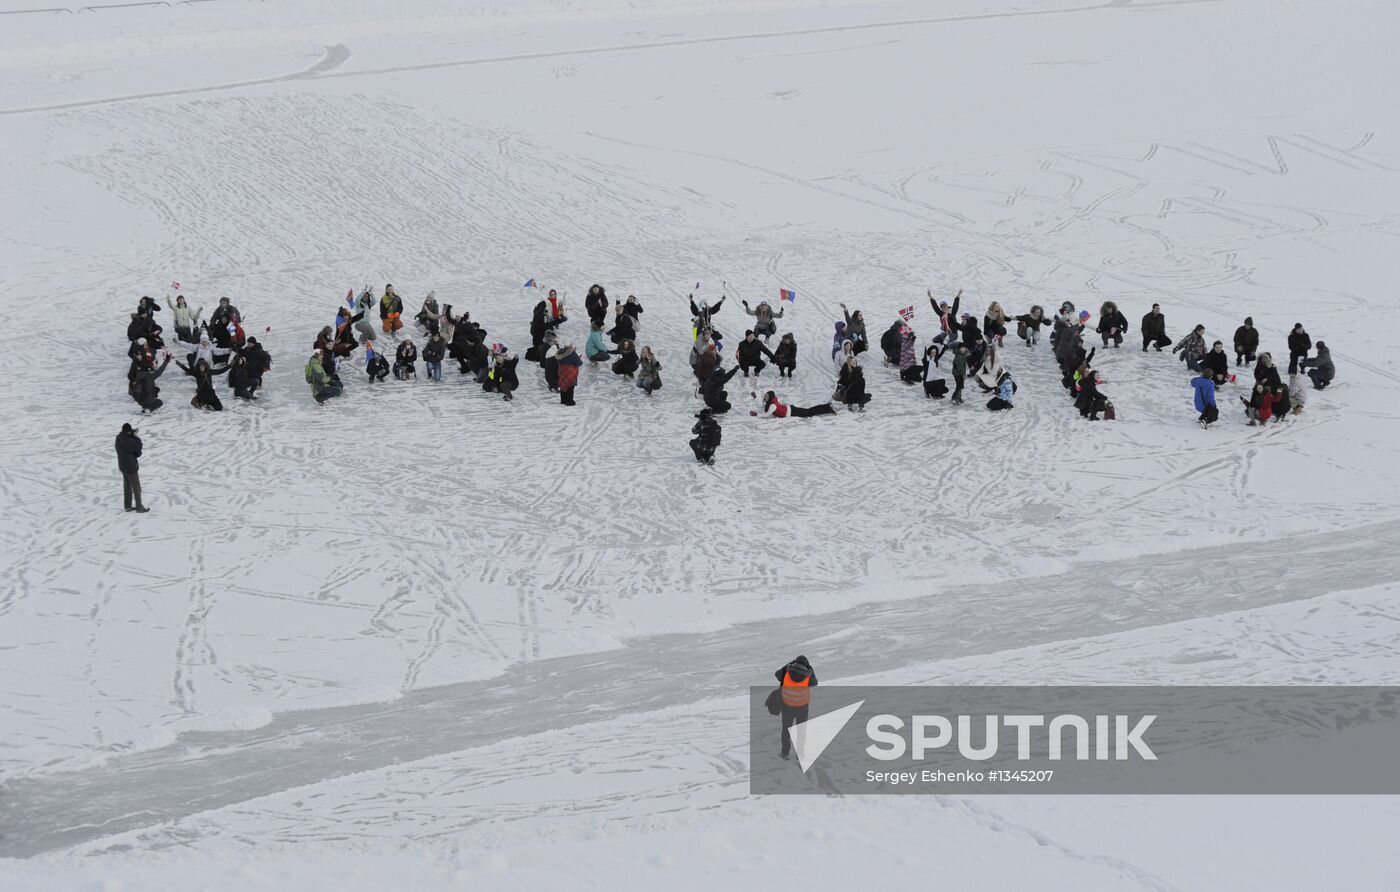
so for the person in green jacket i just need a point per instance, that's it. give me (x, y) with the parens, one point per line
(322, 387)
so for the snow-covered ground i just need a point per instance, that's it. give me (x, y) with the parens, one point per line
(405, 543)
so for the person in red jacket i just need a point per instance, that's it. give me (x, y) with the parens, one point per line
(776, 408)
(569, 363)
(1260, 407)
(796, 680)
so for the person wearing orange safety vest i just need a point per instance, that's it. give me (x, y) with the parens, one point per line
(797, 680)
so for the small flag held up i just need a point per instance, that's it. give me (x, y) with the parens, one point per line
(786, 295)
(907, 314)
(531, 284)
(175, 285)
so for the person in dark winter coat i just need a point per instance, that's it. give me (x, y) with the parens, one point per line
(1203, 388)
(1217, 363)
(433, 352)
(1299, 343)
(1246, 341)
(889, 342)
(376, 366)
(947, 321)
(405, 360)
(1320, 368)
(1112, 324)
(1266, 373)
(1154, 329)
(144, 389)
(624, 326)
(323, 385)
(959, 371)
(240, 379)
(540, 323)
(128, 462)
(795, 683)
(1091, 400)
(1260, 406)
(715, 396)
(776, 408)
(1028, 325)
(596, 303)
(205, 396)
(850, 386)
(633, 308)
(708, 435)
(627, 362)
(502, 378)
(855, 330)
(648, 372)
(785, 356)
(569, 364)
(259, 362)
(750, 353)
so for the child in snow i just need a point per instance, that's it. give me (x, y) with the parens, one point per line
(1203, 389)
(707, 437)
(785, 356)
(776, 408)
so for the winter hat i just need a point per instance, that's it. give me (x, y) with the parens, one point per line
(1322, 345)
(1249, 320)
(126, 428)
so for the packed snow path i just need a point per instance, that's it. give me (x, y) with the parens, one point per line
(207, 771)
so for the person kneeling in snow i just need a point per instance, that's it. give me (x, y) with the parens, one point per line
(405, 359)
(1005, 389)
(707, 437)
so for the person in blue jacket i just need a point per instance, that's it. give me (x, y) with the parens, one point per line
(1204, 387)
(594, 348)
(1005, 389)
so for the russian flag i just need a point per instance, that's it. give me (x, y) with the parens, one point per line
(530, 284)
(786, 295)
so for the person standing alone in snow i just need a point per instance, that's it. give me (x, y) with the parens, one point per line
(796, 681)
(128, 455)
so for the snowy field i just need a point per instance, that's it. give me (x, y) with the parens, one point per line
(475, 606)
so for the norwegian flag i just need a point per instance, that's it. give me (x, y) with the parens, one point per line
(905, 330)
(907, 314)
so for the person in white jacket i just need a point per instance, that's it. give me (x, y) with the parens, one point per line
(205, 350)
(185, 321)
(364, 304)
